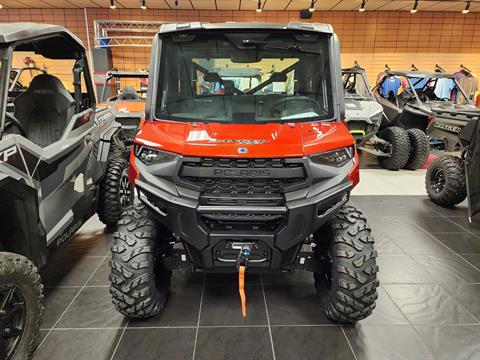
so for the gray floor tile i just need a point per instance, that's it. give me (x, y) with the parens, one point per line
(79, 345)
(438, 225)
(88, 243)
(385, 245)
(462, 221)
(419, 242)
(92, 308)
(310, 343)
(101, 276)
(231, 279)
(401, 269)
(234, 343)
(69, 270)
(448, 268)
(299, 277)
(221, 306)
(461, 243)
(468, 295)
(387, 342)
(429, 305)
(473, 259)
(181, 310)
(456, 342)
(56, 301)
(294, 305)
(154, 344)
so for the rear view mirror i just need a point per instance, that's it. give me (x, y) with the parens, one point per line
(212, 77)
(245, 56)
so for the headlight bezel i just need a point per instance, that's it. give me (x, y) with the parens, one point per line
(336, 157)
(152, 156)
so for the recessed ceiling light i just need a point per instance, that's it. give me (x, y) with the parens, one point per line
(362, 7)
(259, 6)
(415, 6)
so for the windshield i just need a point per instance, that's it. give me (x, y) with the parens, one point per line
(430, 89)
(245, 78)
(355, 85)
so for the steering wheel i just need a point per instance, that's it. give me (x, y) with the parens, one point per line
(13, 121)
(282, 104)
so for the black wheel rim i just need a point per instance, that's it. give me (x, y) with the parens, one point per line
(126, 189)
(12, 320)
(437, 180)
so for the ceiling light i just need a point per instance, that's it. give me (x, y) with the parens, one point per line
(415, 6)
(312, 6)
(1, 6)
(259, 6)
(362, 7)
(467, 8)
(142, 5)
(112, 4)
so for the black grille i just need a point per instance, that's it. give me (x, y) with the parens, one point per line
(243, 176)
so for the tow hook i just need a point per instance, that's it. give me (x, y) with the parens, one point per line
(242, 268)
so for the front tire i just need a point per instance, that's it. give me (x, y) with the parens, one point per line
(348, 282)
(21, 301)
(139, 281)
(445, 181)
(419, 149)
(400, 148)
(116, 192)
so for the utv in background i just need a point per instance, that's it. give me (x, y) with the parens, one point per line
(233, 177)
(54, 156)
(452, 178)
(127, 103)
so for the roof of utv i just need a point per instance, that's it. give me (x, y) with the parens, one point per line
(51, 41)
(420, 74)
(192, 26)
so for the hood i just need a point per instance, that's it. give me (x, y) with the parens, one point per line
(449, 107)
(362, 110)
(244, 140)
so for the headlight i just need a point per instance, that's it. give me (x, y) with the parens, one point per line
(338, 157)
(151, 156)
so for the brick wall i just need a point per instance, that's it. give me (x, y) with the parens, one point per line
(373, 38)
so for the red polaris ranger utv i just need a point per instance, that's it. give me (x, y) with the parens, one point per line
(245, 173)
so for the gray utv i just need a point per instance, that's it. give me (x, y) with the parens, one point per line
(55, 155)
(126, 101)
(421, 99)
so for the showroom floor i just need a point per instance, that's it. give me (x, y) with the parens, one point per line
(428, 307)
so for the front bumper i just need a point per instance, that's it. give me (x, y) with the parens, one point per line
(210, 232)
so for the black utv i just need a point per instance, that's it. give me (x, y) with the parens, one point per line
(55, 155)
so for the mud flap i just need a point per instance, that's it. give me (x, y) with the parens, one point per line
(470, 138)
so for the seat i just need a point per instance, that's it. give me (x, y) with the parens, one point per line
(45, 109)
(128, 93)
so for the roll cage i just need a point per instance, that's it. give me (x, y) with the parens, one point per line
(50, 41)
